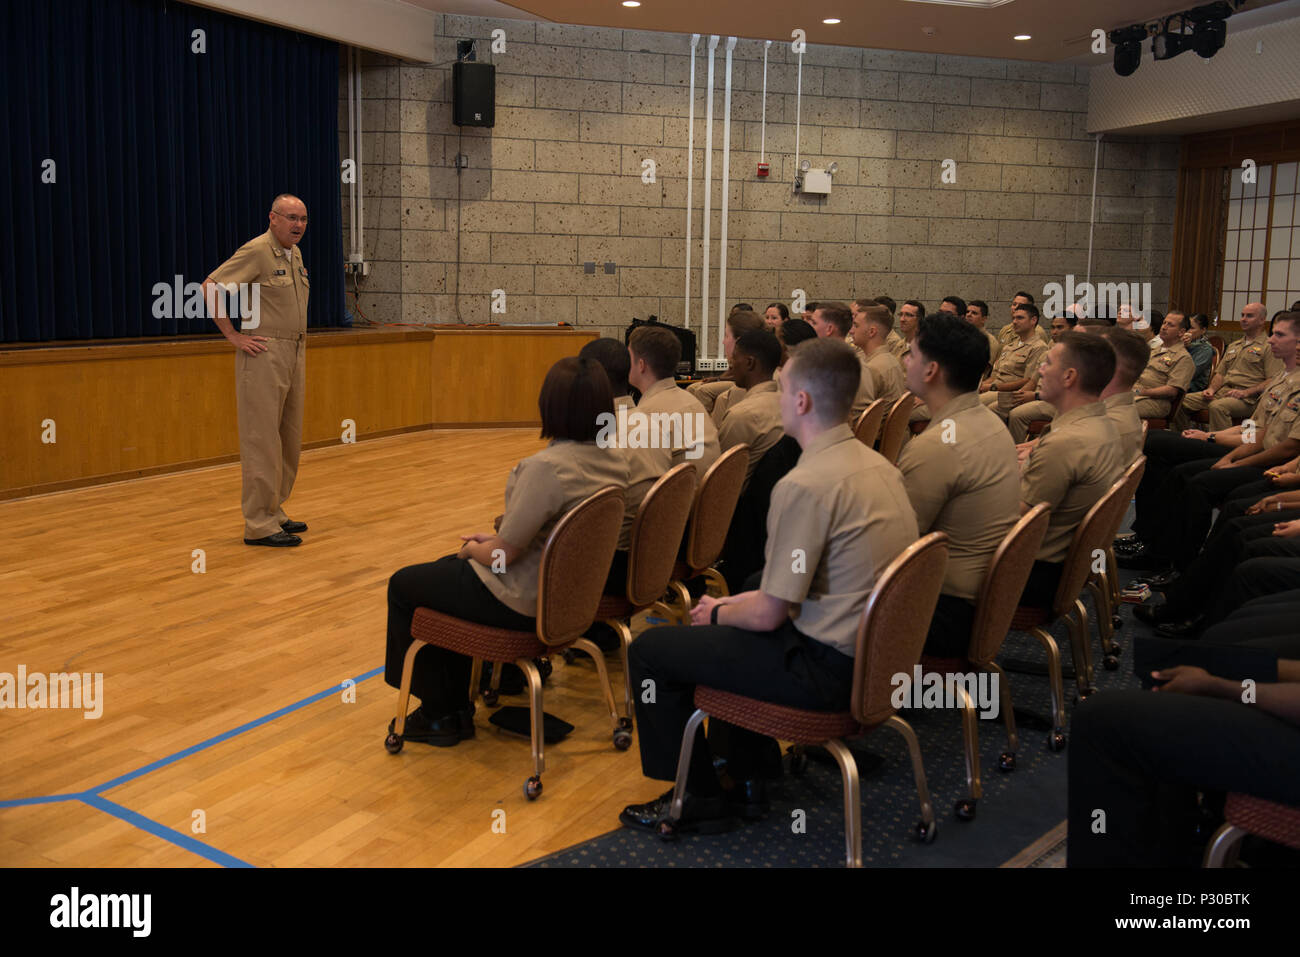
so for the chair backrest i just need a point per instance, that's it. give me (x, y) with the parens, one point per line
(1144, 431)
(1219, 346)
(715, 503)
(894, 432)
(999, 596)
(1093, 537)
(1131, 477)
(894, 624)
(657, 534)
(1175, 405)
(575, 564)
(867, 427)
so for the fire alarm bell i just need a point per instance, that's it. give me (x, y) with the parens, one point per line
(763, 169)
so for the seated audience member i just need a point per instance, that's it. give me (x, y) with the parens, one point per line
(1168, 372)
(793, 333)
(1142, 756)
(1016, 362)
(954, 306)
(473, 584)
(977, 314)
(1007, 334)
(844, 514)
(961, 473)
(1173, 516)
(1266, 622)
(1076, 463)
(775, 315)
(895, 342)
(808, 309)
(1200, 349)
(613, 358)
(742, 307)
(754, 420)
(717, 394)
(1121, 405)
(833, 319)
(871, 327)
(1028, 406)
(1240, 377)
(910, 313)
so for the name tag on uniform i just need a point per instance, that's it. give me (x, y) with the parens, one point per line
(279, 272)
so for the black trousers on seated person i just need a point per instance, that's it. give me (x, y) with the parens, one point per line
(1265, 622)
(949, 634)
(1269, 565)
(1140, 757)
(1044, 579)
(782, 667)
(1208, 575)
(1165, 451)
(1187, 502)
(440, 678)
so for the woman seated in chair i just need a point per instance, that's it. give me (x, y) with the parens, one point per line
(493, 579)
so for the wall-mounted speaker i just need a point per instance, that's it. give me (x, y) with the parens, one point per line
(474, 93)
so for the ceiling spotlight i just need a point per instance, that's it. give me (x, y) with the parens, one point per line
(1128, 48)
(1170, 42)
(1022, 36)
(1209, 28)
(832, 21)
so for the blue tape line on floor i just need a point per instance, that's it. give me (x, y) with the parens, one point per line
(227, 735)
(46, 799)
(166, 833)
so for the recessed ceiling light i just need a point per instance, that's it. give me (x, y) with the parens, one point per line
(832, 21)
(1022, 36)
(631, 3)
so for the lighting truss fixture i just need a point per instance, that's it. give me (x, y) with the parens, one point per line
(1128, 48)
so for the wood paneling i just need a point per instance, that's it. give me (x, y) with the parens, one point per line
(128, 410)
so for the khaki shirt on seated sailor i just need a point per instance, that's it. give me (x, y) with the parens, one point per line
(1016, 363)
(872, 324)
(834, 320)
(1007, 334)
(666, 428)
(270, 367)
(1028, 407)
(756, 419)
(1240, 376)
(1168, 373)
(717, 394)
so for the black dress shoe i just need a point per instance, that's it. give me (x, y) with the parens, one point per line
(1151, 614)
(748, 799)
(278, 540)
(1190, 628)
(1164, 581)
(699, 815)
(1140, 558)
(445, 732)
(292, 527)
(1126, 544)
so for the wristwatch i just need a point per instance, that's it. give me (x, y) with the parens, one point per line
(713, 615)
(1210, 438)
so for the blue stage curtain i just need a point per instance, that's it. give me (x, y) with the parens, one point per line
(165, 160)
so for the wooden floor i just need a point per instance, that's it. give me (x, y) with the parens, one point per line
(101, 580)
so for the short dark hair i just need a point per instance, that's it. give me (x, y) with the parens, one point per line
(574, 393)
(793, 333)
(981, 305)
(1200, 318)
(829, 372)
(838, 315)
(957, 301)
(960, 349)
(742, 307)
(888, 304)
(1092, 321)
(613, 357)
(810, 307)
(1186, 324)
(1093, 357)
(1068, 317)
(1029, 308)
(1157, 319)
(658, 347)
(763, 346)
(1026, 295)
(1131, 352)
(920, 307)
(1292, 316)
(782, 310)
(745, 320)
(880, 316)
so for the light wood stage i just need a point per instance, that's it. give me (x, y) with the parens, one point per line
(101, 580)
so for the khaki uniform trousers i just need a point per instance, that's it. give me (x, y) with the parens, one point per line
(270, 389)
(1020, 417)
(990, 401)
(1222, 411)
(1152, 408)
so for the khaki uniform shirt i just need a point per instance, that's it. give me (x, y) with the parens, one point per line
(886, 376)
(896, 344)
(282, 287)
(1248, 362)
(866, 385)
(646, 465)
(540, 491)
(995, 347)
(1070, 469)
(1007, 335)
(1018, 360)
(1122, 409)
(708, 392)
(756, 421)
(1277, 415)
(724, 402)
(962, 477)
(1169, 365)
(836, 520)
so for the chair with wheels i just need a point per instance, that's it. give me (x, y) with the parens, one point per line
(1103, 583)
(867, 426)
(1245, 815)
(894, 433)
(715, 503)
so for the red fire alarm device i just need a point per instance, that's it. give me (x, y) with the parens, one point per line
(762, 169)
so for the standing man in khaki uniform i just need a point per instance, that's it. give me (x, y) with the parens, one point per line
(1076, 463)
(871, 328)
(1169, 372)
(961, 473)
(1240, 377)
(756, 419)
(1016, 363)
(270, 369)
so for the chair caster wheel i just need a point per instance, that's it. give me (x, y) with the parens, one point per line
(1056, 740)
(533, 788)
(667, 831)
(393, 743)
(1116, 648)
(622, 739)
(568, 656)
(1111, 662)
(544, 667)
(1007, 761)
(625, 724)
(965, 809)
(925, 833)
(490, 698)
(798, 763)
(1116, 621)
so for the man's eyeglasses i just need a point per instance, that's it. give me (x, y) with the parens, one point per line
(293, 218)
